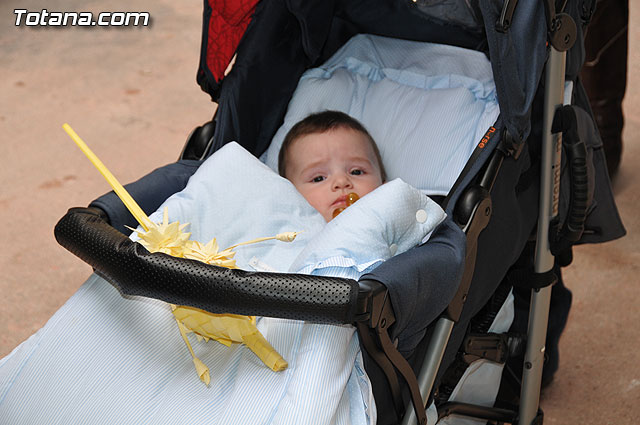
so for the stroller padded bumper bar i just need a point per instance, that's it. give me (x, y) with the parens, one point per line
(135, 271)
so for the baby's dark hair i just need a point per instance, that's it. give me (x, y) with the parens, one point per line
(319, 123)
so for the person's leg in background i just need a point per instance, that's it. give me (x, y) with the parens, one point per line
(605, 73)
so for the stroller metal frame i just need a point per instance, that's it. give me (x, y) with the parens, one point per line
(544, 259)
(541, 299)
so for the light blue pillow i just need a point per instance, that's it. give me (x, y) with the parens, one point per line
(426, 105)
(388, 221)
(235, 198)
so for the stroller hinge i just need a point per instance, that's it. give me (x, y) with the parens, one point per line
(371, 296)
(561, 27)
(509, 145)
(506, 16)
(199, 142)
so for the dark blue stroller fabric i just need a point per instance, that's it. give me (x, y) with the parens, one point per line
(150, 191)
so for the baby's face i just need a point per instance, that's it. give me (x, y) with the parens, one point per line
(326, 167)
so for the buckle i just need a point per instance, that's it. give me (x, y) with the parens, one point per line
(493, 347)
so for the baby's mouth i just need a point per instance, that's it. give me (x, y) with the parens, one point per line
(342, 201)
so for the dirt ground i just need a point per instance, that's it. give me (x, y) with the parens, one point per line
(131, 94)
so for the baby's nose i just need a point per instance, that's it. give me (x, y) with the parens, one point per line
(342, 181)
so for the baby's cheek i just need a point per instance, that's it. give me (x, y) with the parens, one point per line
(314, 201)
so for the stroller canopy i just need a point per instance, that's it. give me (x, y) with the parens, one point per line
(287, 37)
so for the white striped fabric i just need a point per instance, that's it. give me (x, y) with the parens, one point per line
(105, 359)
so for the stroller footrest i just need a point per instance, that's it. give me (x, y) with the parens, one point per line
(475, 411)
(529, 279)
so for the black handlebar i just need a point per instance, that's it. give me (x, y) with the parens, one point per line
(135, 271)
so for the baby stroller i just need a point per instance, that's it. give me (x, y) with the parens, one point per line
(493, 206)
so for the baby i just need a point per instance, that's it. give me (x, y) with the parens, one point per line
(327, 156)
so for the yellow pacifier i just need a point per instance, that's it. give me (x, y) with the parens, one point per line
(351, 199)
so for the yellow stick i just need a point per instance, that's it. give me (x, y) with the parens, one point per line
(251, 242)
(122, 193)
(284, 237)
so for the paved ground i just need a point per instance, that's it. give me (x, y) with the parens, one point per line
(131, 94)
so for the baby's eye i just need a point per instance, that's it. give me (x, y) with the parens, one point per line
(317, 179)
(357, 172)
